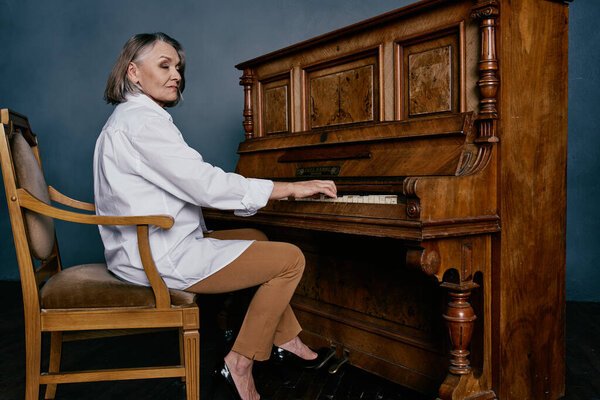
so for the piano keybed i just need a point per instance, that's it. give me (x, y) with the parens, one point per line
(388, 205)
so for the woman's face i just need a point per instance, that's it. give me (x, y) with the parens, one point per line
(158, 73)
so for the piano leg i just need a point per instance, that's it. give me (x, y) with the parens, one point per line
(460, 320)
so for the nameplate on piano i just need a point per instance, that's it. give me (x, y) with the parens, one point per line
(318, 171)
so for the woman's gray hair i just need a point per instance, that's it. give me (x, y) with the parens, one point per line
(119, 85)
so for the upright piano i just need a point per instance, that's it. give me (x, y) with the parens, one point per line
(444, 125)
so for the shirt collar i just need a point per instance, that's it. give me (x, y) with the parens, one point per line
(142, 98)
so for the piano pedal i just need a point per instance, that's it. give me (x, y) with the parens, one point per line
(336, 367)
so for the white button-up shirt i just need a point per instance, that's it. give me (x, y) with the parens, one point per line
(142, 166)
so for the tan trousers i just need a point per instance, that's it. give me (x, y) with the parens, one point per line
(277, 267)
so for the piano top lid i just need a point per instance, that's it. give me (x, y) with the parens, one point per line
(357, 27)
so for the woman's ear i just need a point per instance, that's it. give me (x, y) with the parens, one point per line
(132, 73)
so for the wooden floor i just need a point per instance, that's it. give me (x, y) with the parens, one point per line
(274, 382)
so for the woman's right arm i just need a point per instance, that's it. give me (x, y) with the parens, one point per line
(303, 189)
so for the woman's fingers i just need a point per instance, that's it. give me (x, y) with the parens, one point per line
(328, 188)
(303, 189)
(309, 188)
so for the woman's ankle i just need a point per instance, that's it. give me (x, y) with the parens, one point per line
(237, 362)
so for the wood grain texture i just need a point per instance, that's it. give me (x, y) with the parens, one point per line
(111, 375)
(57, 196)
(29, 202)
(531, 284)
(429, 83)
(56, 339)
(276, 109)
(342, 97)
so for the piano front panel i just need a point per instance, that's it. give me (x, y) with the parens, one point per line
(350, 79)
(380, 307)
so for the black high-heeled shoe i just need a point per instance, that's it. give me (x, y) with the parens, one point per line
(283, 356)
(225, 374)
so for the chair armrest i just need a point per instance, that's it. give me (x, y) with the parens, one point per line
(29, 202)
(161, 292)
(58, 197)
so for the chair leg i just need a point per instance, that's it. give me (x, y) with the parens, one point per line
(191, 345)
(54, 365)
(181, 355)
(33, 353)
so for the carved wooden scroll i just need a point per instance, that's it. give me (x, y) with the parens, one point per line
(426, 260)
(246, 81)
(413, 206)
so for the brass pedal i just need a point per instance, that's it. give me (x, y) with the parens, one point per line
(335, 367)
(328, 357)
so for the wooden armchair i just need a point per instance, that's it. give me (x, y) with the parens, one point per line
(84, 298)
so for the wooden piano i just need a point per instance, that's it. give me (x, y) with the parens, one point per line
(444, 125)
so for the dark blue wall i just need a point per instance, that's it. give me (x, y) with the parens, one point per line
(55, 58)
(583, 165)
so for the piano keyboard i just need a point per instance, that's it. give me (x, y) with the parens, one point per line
(367, 199)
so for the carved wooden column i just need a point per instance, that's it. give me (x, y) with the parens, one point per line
(246, 81)
(486, 122)
(487, 11)
(460, 320)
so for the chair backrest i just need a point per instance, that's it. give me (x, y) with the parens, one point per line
(34, 234)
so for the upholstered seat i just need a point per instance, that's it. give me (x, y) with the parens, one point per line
(94, 286)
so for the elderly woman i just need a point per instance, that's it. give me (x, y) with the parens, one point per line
(142, 165)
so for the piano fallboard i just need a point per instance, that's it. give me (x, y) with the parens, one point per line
(425, 146)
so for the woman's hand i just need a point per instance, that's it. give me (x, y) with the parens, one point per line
(303, 189)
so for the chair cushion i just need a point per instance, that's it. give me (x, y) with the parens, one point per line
(93, 286)
(40, 228)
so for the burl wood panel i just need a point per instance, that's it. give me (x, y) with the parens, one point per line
(275, 105)
(430, 81)
(344, 93)
(432, 77)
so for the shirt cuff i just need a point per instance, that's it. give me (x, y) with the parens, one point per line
(256, 197)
